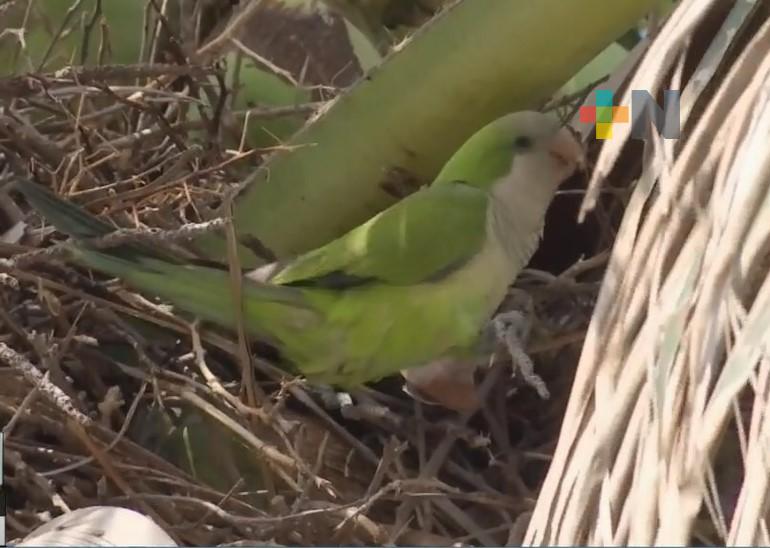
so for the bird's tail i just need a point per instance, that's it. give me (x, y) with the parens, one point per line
(205, 292)
(74, 221)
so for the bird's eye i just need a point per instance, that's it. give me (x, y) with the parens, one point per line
(523, 142)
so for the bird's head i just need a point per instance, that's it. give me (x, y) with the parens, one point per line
(523, 145)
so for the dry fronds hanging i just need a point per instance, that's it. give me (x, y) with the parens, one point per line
(665, 438)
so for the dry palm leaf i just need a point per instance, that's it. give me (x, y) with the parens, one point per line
(665, 436)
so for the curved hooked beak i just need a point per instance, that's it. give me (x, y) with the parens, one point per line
(567, 150)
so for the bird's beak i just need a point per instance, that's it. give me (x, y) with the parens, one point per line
(567, 150)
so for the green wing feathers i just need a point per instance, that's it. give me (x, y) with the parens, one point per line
(422, 238)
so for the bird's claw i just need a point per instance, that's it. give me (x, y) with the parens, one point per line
(512, 329)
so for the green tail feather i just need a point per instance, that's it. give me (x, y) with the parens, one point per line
(202, 291)
(77, 222)
(65, 216)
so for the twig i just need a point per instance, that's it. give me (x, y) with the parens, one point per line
(52, 393)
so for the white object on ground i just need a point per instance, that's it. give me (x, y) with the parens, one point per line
(99, 526)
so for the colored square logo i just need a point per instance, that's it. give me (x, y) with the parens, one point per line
(587, 114)
(604, 114)
(604, 97)
(646, 112)
(603, 130)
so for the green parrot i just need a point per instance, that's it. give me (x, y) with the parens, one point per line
(418, 282)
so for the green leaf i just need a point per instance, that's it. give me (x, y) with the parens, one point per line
(400, 123)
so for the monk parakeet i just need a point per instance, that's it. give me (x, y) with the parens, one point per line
(415, 283)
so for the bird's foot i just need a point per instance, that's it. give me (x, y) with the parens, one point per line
(512, 328)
